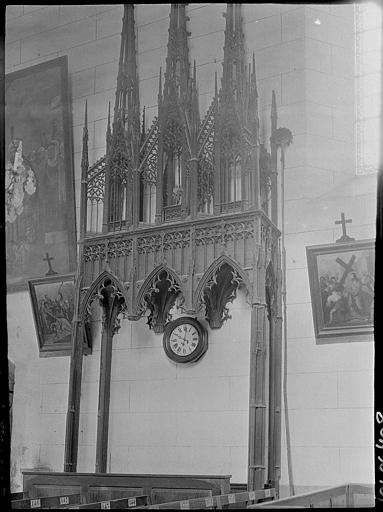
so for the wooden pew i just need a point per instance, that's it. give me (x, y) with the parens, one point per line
(108, 486)
(232, 500)
(121, 503)
(18, 495)
(47, 501)
(344, 496)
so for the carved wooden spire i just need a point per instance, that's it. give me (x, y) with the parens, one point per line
(252, 101)
(84, 174)
(233, 80)
(108, 132)
(127, 95)
(177, 72)
(273, 115)
(123, 143)
(84, 156)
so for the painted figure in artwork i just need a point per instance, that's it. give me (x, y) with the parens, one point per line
(49, 163)
(348, 298)
(359, 301)
(55, 311)
(21, 212)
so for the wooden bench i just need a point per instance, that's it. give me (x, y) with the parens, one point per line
(121, 503)
(47, 501)
(344, 496)
(232, 500)
(109, 486)
(18, 495)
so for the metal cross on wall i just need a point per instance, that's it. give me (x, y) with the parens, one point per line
(48, 259)
(343, 221)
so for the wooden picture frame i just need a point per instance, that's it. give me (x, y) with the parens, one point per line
(39, 173)
(341, 279)
(53, 301)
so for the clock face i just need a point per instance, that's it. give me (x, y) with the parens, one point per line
(185, 340)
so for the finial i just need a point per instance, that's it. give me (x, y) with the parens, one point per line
(274, 116)
(108, 117)
(84, 156)
(160, 86)
(194, 72)
(215, 84)
(143, 122)
(253, 63)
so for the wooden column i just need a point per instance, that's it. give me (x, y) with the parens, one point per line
(257, 406)
(77, 334)
(74, 394)
(111, 308)
(275, 354)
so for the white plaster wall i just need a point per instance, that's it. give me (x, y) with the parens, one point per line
(40, 396)
(329, 386)
(173, 418)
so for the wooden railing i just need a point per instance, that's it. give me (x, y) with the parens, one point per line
(332, 497)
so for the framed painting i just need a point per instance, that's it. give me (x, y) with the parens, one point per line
(39, 179)
(52, 301)
(341, 279)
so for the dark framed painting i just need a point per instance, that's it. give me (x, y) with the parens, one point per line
(39, 177)
(341, 279)
(53, 301)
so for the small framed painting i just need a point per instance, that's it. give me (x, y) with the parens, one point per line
(53, 308)
(341, 279)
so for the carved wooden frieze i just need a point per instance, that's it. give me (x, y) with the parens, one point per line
(176, 239)
(93, 252)
(224, 232)
(149, 243)
(121, 247)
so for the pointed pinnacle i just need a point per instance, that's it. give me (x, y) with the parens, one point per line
(215, 84)
(194, 72)
(273, 115)
(86, 114)
(160, 83)
(273, 102)
(143, 120)
(253, 63)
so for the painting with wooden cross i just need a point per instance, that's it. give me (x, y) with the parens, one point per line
(53, 307)
(39, 177)
(342, 288)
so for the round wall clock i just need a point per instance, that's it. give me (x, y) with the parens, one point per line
(185, 340)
